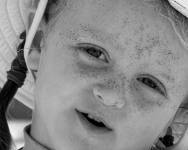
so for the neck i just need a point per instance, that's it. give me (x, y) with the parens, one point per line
(39, 131)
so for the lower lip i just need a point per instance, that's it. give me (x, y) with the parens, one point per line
(92, 128)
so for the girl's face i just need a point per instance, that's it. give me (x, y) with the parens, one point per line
(103, 52)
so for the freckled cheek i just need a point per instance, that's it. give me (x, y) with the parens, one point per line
(76, 66)
(91, 72)
(143, 99)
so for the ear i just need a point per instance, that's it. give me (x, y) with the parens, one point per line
(33, 55)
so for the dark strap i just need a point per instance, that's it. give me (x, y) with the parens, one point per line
(21, 148)
(18, 70)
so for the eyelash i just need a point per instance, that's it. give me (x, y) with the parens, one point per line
(152, 83)
(94, 51)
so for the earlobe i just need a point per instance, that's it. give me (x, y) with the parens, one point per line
(37, 41)
(33, 58)
(34, 26)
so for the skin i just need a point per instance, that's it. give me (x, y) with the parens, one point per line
(138, 41)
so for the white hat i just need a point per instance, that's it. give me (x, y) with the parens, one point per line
(14, 16)
(181, 6)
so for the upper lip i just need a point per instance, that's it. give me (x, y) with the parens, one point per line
(97, 116)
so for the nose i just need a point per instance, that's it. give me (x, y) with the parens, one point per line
(110, 96)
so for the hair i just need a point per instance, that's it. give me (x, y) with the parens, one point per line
(17, 74)
(47, 12)
(54, 7)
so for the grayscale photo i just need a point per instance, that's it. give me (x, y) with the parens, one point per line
(93, 74)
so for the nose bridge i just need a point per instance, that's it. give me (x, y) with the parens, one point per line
(112, 92)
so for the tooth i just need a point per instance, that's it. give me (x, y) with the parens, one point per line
(90, 116)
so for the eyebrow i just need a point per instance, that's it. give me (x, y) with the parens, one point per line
(167, 77)
(102, 36)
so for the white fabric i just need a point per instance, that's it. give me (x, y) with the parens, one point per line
(30, 142)
(13, 21)
(181, 6)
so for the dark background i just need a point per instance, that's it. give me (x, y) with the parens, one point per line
(19, 111)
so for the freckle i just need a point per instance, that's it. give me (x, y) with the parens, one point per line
(139, 52)
(127, 41)
(141, 27)
(168, 77)
(72, 35)
(148, 48)
(92, 72)
(125, 22)
(159, 62)
(111, 84)
(88, 73)
(139, 30)
(152, 42)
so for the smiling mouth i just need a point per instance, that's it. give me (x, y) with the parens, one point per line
(92, 123)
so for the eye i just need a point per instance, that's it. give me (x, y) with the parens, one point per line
(94, 51)
(152, 83)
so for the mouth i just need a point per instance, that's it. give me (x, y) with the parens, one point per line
(93, 123)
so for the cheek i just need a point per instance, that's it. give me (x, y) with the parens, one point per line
(144, 99)
(148, 123)
(86, 71)
(56, 79)
(143, 128)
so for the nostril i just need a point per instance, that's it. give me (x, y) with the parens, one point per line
(96, 93)
(99, 96)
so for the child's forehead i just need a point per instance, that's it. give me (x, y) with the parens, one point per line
(113, 21)
(154, 34)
